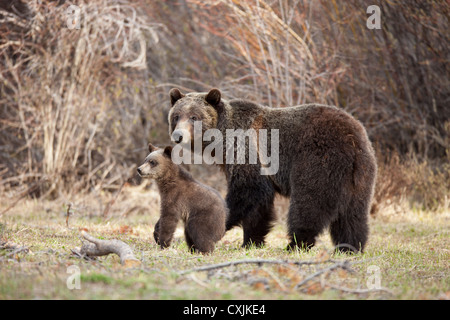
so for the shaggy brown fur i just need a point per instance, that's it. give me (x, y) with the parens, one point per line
(327, 168)
(201, 208)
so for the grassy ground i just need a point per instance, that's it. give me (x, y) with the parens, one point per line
(408, 254)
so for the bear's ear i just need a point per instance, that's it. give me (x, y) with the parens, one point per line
(213, 97)
(168, 152)
(151, 148)
(175, 95)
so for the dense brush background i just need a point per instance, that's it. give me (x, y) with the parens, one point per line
(78, 106)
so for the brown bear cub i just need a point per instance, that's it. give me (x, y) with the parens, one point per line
(201, 208)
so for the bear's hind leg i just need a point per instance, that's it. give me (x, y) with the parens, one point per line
(305, 222)
(198, 238)
(350, 230)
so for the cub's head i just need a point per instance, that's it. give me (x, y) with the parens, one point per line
(157, 164)
(188, 109)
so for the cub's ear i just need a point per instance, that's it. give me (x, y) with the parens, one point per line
(151, 148)
(168, 151)
(213, 97)
(175, 95)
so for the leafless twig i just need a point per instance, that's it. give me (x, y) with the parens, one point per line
(258, 262)
(69, 205)
(337, 265)
(359, 291)
(15, 249)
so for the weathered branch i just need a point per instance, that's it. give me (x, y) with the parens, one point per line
(360, 291)
(253, 261)
(343, 265)
(15, 249)
(94, 247)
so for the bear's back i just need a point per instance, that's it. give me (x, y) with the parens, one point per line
(315, 127)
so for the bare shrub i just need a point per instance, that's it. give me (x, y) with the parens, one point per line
(271, 57)
(78, 107)
(419, 184)
(396, 78)
(289, 52)
(73, 100)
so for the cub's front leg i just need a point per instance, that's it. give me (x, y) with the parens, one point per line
(164, 229)
(156, 232)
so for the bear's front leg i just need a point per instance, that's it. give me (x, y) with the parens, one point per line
(250, 203)
(164, 230)
(257, 226)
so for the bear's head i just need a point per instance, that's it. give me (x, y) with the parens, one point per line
(193, 109)
(158, 164)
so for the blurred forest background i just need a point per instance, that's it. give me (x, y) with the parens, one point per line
(78, 106)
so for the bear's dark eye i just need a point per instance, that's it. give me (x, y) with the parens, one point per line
(175, 118)
(153, 163)
(194, 118)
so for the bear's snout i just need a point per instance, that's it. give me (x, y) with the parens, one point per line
(177, 136)
(143, 170)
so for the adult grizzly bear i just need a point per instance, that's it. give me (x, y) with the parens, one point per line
(326, 166)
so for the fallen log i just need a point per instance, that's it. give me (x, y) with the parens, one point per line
(94, 247)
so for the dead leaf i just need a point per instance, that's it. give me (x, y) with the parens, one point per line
(259, 286)
(323, 256)
(314, 288)
(342, 273)
(125, 230)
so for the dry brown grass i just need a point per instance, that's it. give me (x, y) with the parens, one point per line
(418, 185)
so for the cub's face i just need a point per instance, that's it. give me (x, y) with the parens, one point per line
(157, 163)
(192, 109)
